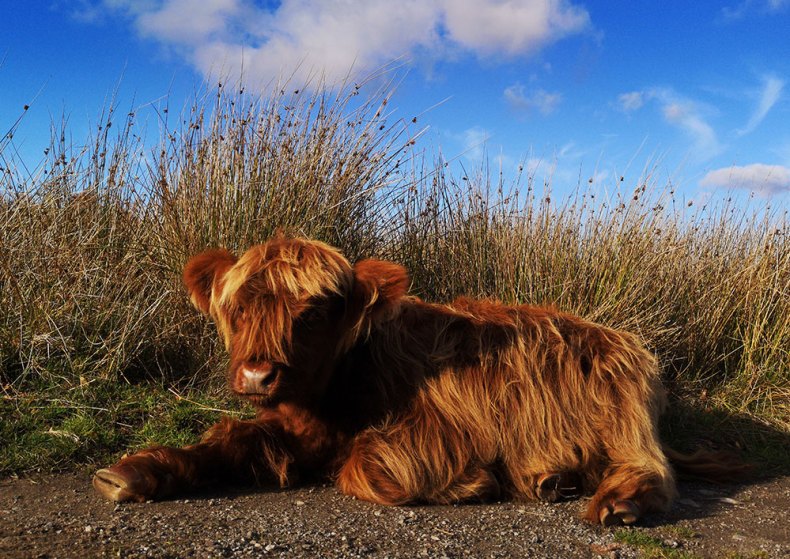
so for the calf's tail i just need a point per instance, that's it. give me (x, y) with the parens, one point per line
(718, 466)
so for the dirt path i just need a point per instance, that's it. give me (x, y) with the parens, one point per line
(61, 516)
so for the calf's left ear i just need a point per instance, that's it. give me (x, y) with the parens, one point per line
(378, 286)
(202, 271)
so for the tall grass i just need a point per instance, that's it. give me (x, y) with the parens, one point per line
(708, 288)
(92, 242)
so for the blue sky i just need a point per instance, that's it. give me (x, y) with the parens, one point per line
(696, 91)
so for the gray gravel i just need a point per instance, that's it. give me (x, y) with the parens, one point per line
(61, 516)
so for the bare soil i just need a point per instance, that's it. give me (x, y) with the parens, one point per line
(61, 516)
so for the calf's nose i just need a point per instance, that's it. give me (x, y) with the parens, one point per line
(255, 379)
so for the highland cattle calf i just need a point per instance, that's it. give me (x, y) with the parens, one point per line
(402, 401)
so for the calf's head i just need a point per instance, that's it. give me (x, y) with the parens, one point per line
(288, 309)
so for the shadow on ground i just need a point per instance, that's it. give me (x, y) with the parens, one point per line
(687, 428)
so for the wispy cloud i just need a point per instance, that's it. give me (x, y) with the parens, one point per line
(738, 11)
(682, 113)
(769, 95)
(631, 101)
(685, 116)
(537, 100)
(763, 179)
(84, 11)
(328, 37)
(474, 147)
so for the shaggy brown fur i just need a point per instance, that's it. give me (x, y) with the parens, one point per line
(402, 401)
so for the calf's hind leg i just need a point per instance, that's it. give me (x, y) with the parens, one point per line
(230, 451)
(635, 476)
(631, 488)
(382, 467)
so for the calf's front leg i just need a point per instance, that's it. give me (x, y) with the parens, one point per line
(231, 451)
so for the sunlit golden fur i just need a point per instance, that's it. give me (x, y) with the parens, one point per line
(402, 401)
(270, 284)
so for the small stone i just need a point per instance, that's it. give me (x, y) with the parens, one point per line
(88, 528)
(269, 547)
(299, 503)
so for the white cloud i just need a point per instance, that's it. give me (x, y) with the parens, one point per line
(770, 94)
(631, 101)
(539, 100)
(758, 177)
(328, 37)
(510, 27)
(187, 22)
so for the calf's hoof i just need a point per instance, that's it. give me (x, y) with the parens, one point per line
(619, 513)
(116, 487)
(129, 482)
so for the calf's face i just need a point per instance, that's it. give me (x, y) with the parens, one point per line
(288, 309)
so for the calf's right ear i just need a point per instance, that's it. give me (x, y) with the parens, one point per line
(201, 273)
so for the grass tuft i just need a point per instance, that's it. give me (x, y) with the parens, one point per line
(650, 547)
(44, 429)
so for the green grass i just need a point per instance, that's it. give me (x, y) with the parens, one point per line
(48, 430)
(650, 547)
(94, 321)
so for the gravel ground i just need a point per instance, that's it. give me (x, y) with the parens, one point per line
(61, 516)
